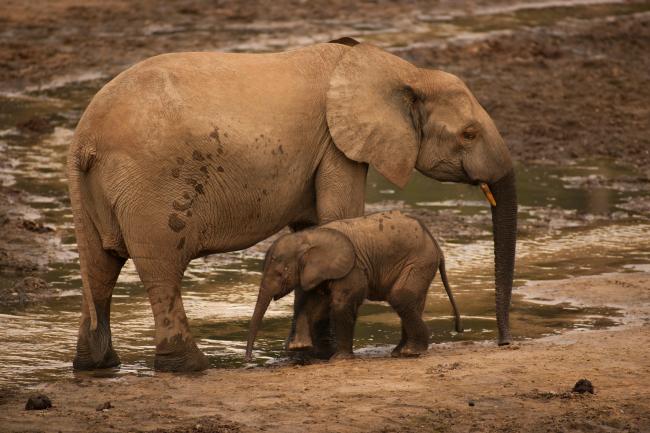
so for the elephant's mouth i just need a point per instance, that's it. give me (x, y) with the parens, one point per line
(467, 178)
(284, 291)
(485, 187)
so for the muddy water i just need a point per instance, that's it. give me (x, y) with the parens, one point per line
(575, 220)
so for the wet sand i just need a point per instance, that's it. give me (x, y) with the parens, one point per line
(455, 387)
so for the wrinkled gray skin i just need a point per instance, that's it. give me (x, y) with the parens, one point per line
(189, 154)
(386, 256)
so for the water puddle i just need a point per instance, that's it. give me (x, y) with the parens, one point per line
(575, 220)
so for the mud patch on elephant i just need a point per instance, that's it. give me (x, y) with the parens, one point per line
(197, 156)
(180, 206)
(215, 135)
(176, 223)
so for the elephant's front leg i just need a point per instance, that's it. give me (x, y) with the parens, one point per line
(175, 347)
(311, 323)
(340, 193)
(343, 316)
(340, 187)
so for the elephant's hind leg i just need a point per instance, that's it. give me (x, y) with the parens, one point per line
(408, 298)
(95, 348)
(175, 347)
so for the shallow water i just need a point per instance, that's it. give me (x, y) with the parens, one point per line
(575, 220)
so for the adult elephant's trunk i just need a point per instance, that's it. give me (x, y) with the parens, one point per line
(504, 229)
(263, 301)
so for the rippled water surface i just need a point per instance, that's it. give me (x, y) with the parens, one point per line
(576, 220)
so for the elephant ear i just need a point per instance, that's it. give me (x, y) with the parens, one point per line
(330, 256)
(370, 110)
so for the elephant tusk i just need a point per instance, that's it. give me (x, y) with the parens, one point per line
(488, 194)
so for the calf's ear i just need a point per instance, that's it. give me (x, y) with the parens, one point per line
(329, 256)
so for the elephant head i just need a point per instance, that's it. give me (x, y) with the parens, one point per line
(396, 117)
(302, 261)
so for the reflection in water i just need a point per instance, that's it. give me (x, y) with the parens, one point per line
(578, 237)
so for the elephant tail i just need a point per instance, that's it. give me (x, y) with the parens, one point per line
(81, 157)
(443, 276)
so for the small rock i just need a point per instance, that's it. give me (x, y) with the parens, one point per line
(471, 403)
(582, 386)
(36, 124)
(24, 292)
(38, 402)
(104, 406)
(36, 226)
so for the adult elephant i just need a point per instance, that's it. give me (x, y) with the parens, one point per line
(189, 154)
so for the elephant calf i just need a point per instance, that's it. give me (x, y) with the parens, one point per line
(386, 256)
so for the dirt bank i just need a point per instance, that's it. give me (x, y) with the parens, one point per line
(456, 387)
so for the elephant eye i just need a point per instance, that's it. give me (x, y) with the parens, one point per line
(469, 135)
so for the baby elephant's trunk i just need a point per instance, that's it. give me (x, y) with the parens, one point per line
(263, 301)
(445, 282)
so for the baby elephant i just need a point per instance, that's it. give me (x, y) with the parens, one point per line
(386, 256)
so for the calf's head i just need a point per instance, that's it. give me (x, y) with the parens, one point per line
(301, 260)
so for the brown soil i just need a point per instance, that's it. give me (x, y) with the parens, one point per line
(454, 388)
(24, 242)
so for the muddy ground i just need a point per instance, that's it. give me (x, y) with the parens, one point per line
(565, 90)
(455, 388)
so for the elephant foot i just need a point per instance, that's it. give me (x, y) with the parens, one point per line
(95, 350)
(179, 355)
(322, 352)
(410, 351)
(505, 341)
(342, 355)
